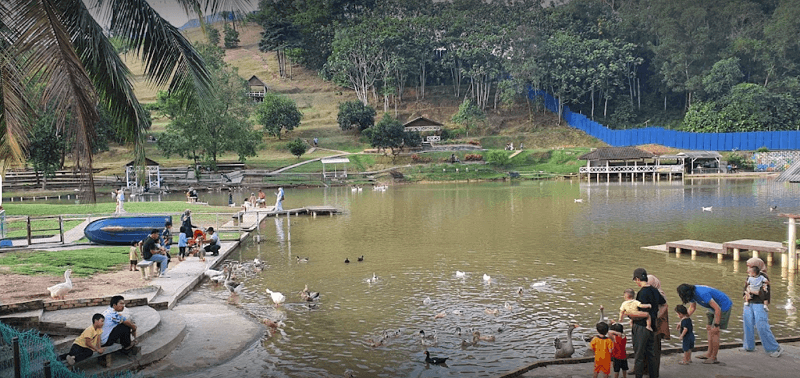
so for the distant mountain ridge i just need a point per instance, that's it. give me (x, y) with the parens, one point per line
(217, 17)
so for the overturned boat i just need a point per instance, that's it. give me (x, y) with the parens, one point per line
(124, 230)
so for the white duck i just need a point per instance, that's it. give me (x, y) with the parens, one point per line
(460, 274)
(487, 277)
(60, 290)
(277, 297)
(212, 273)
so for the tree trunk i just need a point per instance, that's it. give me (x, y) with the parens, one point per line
(605, 108)
(592, 94)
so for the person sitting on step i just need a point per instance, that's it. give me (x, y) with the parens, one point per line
(87, 343)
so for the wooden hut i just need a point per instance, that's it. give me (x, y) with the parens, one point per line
(257, 89)
(626, 164)
(425, 125)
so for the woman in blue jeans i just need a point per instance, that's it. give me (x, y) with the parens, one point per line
(755, 317)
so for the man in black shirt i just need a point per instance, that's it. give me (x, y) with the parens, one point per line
(152, 251)
(643, 338)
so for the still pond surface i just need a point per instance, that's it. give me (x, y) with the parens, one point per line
(568, 257)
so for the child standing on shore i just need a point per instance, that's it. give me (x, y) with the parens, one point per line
(182, 243)
(602, 347)
(133, 256)
(754, 284)
(687, 334)
(632, 306)
(619, 356)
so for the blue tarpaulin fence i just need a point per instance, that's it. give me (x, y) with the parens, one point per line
(773, 140)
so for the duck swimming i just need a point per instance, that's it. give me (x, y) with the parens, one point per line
(434, 360)
(277, 297)
(346, 260)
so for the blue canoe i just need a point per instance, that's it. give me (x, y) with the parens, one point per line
(123, 230)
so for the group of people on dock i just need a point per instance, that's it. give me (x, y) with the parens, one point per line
(261, 200)
(652, 309)
(157, 246)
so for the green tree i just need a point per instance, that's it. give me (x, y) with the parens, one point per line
(355, 114)
(389, 133)
(722, 77)
(469, 115)
(213, 36)
(231, 37)
(277, 113)
(62, 45)
(297, 147)
(220, 124)
(46, 146)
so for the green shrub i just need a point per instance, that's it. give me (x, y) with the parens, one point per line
(762, 149)
(498, 158)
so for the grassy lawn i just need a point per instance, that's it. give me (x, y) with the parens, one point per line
(83, 262)
(168, 207)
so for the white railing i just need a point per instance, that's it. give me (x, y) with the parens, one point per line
(634, 169)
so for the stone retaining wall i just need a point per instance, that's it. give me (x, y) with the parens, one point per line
(14, 308)
(774, 161)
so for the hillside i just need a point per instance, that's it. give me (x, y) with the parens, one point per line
(318, 100)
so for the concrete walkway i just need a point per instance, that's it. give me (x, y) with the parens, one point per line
(733, 364)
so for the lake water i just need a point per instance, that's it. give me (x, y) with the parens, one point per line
(568, 257)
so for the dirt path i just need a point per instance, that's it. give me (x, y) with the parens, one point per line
(22, 288)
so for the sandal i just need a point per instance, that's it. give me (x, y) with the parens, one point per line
(684, 362)
(710, 362)
(701, 357)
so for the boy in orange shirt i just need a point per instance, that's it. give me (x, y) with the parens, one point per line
(602, 347)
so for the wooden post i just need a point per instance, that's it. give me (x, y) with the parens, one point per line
(17, 360)
(216, 221)
(61, 228)
(47, 372)
(29, 230)
(719, 258)
(694, 255)
(792, 245)
(677, 252)
(770, 257)
(755, 253)
(736, 254)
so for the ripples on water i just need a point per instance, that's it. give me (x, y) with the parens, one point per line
(568, 257)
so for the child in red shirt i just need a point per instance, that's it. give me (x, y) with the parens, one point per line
(619, 356)
(602, 345)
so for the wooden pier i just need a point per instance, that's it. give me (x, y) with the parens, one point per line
(696, 246)
(734, 248)
(756, 247)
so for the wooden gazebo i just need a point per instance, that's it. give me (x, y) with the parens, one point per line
(152, 169)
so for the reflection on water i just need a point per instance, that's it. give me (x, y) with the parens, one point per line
(568, 257)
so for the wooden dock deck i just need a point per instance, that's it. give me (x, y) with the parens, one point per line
(696, 246)
(735, 248)
(756, 246)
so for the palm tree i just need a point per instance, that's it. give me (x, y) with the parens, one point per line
(59, 46)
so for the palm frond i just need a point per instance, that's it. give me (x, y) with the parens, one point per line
(14, 107)
(167, 56)
(199, 7)
(51, 57)
(109, 74)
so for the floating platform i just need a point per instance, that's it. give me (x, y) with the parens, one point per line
(308, 210)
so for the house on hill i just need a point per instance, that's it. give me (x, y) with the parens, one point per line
(425, 125)
(257, 89)
(628, 164)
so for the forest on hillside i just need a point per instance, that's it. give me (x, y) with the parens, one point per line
(704, 66)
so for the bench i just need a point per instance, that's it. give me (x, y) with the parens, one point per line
(146, 268)
(104, 359)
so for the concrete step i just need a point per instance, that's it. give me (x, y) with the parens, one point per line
(168, 335)
(146, 318)
(32, 316)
